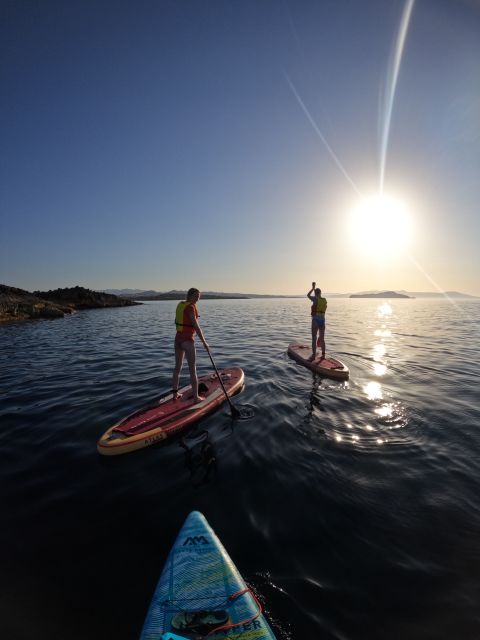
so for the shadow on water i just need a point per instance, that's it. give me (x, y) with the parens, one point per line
(200, 456)
(200, 451)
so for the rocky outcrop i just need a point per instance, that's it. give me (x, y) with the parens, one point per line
(18, 304)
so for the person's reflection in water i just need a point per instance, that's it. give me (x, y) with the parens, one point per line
(200, 457)
(315, 401)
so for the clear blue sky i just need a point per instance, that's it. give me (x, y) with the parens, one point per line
(222, 144)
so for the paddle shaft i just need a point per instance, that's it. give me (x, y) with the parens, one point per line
(233, 409)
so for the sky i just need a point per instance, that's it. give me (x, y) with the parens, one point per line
(240, 145)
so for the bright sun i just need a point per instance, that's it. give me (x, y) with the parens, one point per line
(381, 226)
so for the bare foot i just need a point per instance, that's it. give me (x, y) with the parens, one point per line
(198, 399)
(176, 395)
(311, 358)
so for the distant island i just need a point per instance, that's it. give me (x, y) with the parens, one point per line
(381, 294)
(18, 304)
(175, 294)
(407, 294)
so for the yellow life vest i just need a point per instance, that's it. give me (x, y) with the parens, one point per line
(181, 321)
(319, 306)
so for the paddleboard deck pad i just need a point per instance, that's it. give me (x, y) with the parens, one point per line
(166, 417)
(330, 367)
(201, 593)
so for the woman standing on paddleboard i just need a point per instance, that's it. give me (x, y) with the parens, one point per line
(187, 326)
(319, 307)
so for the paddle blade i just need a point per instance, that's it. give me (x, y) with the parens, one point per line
(242, 413)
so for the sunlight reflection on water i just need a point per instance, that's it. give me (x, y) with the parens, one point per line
(373, 391)
(379, 369)
(384, 310)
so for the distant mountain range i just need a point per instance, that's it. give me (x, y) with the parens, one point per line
(381, 294)
(174, 294)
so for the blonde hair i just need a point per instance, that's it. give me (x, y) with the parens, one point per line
(191, 292)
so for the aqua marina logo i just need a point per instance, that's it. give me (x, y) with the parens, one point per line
(195, 540)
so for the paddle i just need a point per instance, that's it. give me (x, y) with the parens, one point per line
(235, 412)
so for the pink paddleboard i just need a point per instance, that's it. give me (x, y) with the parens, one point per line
(166, 417)
(328, 366)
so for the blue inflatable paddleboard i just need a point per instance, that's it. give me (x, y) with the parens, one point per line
(201, 593)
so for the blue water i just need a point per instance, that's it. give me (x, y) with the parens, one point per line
(352, 508)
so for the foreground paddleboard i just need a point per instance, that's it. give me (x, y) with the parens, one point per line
(330, 367)
(198, 583)
(166, 417)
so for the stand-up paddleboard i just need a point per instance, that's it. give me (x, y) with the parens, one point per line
(330, 367)
(201, 593)
(167, 416)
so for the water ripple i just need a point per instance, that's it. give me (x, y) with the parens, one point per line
(345, 504)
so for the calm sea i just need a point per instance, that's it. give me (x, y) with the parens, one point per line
(352, 508)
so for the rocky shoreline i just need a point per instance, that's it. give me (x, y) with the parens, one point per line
(18, 304)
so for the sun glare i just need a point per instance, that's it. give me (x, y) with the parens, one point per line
(381, 226)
